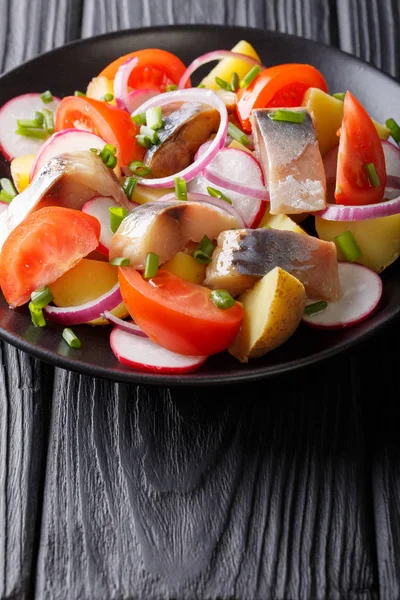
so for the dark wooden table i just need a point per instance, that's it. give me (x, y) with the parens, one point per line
(110, 491)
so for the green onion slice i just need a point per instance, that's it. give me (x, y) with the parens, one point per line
(117, 215)
(79, 94)
(339, 95)
(4, 197)
(171, 87)
(250, 75)
(30, 123)
(180, 188)
(150, 133)
(151, 266)
(8, 187)
(139, 119)
(372, 175)
(235, 82)
(288, 116)
(348, 245)
(72, 340)
(394, 130)
(218, 194)
(39, 118)
(46, 97)
(222, 299)
(144, 141)
(41, 298)
(139, 169)
(154, 118)
(48, 120)
(107, 155)
(129, 186)
(237, 134)
(315, 307)
(37, 315)
(107, 97)
(120, 261)
(224, 85)
(204, 251)
(39, 134)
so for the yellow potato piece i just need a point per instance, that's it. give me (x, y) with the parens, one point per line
(273, 309)
(21, 167)
(99, 87)
(378, 239)
(327, 114)
(239, 146)
(227, 66)
(280, 222)
(143, 194)
(185, 266)
(88, 280)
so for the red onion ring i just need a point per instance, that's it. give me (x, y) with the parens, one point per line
(222, 204)
(76, 315)
(254, 192)
(124, 325)
(211, 57)
(190, 95)
(121, 90)
(342, 212)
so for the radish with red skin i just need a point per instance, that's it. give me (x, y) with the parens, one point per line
(68, 140)
(99, 207)
(143, 354)
(361, 293)
(21, 107)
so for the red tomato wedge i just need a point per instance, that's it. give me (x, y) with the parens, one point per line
(109, 122)
(359, 146)
(155, 69)
(45, 245)
(177, 314)
(279, 86)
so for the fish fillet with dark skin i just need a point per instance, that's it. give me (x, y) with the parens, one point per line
(243, 256)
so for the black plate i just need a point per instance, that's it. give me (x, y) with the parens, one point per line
(71, 67)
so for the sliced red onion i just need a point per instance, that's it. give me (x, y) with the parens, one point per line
(341, 212)
(222, 204)
(75, 315)
(121, 90)
(190, 95)
(211, 57)
(202, 149)
(124, 325)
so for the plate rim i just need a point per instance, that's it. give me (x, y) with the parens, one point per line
(196, 378)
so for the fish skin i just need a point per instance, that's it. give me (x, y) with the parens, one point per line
(291, 161)
(73, 178)
(243, 256)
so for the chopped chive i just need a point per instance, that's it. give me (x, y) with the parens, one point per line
(144, 141)
(120, 261)
(107, 97)
(288, 116)
(151, 266)
(117, 215)
(39, 134)
(46, 97)
(79, 94)
(129, 186)
(39, 118)
(154, 118)
(201, 85)
(139, 169)
(107, 155)
(94, 150)
(41, 298)
(37, 315)
(250, 75)
(339, 95)
(8, 187)
(218, 194)
(267, 226)
(372, 175)
(48, 120)
(139, 119)
(222, 299)
(72, 340)
(204, 251)
(180, 188)
(29, 123)
(237, 134)
(235, 82)
(150, 133)
(171, 87)
(394, 130)
(201, 257)
(348, 246)
(315, 307)
(4, 197)
(223, 84)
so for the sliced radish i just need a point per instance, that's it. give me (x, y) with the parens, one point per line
(99, 207)
(361, 292)
(68, 140)
(145, 355)
(22, 107)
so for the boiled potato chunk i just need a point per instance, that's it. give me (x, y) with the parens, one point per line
(85, 282)
(227, 66)
(280, 222)
(327, 114)
(238, 146)
(185, 266)
(273, 309)
(99, 87)
(143, 194)
(378, 239)
(21, 167)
